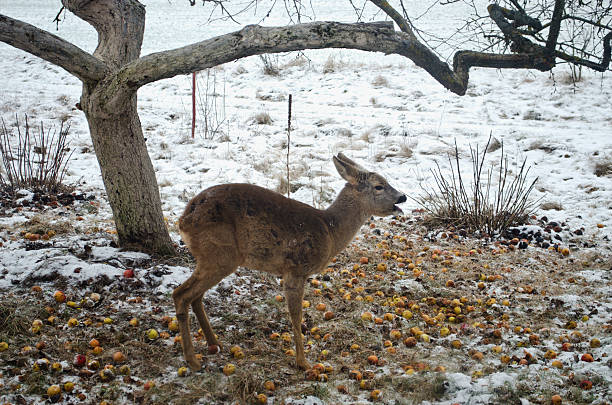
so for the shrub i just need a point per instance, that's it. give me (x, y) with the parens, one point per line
(33, 161)
(485, 207)
(269, 65)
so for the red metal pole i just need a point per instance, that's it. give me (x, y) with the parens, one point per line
(193, 104)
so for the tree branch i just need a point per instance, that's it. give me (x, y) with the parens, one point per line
(52, 49)
(395, 15)
(555, 25)
(256, 40)
(586, 21)
(599, 67)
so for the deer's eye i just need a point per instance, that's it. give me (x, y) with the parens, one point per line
(379, 188)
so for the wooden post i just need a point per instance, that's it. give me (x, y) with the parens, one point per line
(288, 146)
(193, 103)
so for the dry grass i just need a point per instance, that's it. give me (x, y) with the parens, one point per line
(299, 61)
(262, 118)
(296, 171)
(41, 224)
(16, 316)
(551, 205)
(406, 151)
(380, 81)
(603, 167)
(331, 65)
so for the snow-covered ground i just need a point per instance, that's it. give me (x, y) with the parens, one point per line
(381, 110)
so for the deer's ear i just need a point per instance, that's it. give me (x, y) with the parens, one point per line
(341, 156)
(347, 170)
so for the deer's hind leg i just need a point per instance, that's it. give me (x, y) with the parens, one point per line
(211, 268)
(198, 309)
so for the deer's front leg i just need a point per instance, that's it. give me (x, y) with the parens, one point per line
(294, 292)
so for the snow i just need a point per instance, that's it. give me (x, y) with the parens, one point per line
(563, 130)
(309, 400)
(372, 107)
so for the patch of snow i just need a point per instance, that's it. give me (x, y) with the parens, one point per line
(309, 400)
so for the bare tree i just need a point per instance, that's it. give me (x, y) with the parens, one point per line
(525, 36)
(115, 71)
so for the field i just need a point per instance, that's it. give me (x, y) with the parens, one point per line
(414, 314)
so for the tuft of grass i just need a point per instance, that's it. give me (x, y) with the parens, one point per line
(603, 168)
(41, 224)
(298, 61)
(263, 118)
(244, 386)
(318, 390)
(551, 206)
(380, 81)
(532, 115)
(482, 207)
(16, 317)
(420, 388)
(331, 65)
(36, 383)
(507, 394)
(406, 151)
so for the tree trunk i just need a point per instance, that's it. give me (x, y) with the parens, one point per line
(127, 171)
(129, 178)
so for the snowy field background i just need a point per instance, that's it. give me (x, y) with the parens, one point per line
(382, 111)
(370, 106)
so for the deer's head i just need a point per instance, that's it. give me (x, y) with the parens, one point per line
(373, 192)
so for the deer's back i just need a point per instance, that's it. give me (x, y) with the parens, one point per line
(269, 231)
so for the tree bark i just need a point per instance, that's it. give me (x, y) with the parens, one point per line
(129, 179)
(127, 171)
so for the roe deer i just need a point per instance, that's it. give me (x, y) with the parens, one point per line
(231, 225)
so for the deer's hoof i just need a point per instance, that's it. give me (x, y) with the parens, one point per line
(304, 365)
(194, 364)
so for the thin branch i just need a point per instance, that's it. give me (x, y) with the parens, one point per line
(599, 67)
(57, 19)
(586, 21)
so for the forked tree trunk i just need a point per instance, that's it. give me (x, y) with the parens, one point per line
(116, 132)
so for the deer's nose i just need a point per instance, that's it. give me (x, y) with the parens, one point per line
(401, 199)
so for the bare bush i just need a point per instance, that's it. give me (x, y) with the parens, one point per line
(485, 207)
(270, 65)
(211, 103)
(33, 161)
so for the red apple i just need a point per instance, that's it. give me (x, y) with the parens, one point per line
(128, 273)
(79, 360)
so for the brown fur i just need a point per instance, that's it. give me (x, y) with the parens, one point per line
(233, 225)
